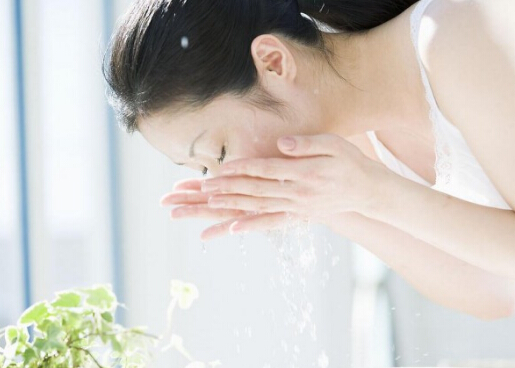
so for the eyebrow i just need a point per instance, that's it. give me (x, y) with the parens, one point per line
(192, 147)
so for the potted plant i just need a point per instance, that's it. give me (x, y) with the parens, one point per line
(78, 329)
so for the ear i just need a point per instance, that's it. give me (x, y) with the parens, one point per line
(272, 58)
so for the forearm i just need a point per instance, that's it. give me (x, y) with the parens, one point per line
(478, 235)
(437, 275)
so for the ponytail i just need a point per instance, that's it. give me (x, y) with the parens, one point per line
(353, 15)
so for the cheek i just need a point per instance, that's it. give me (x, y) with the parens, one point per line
(256, 145)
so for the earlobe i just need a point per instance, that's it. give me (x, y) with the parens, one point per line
(272, 56)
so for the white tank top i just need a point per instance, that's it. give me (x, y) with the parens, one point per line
(458, 173)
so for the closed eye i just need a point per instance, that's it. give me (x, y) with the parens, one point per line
(219, 159)
(222, 156)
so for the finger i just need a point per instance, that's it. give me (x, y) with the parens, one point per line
(217, 230)
(184, 197)
(311, 145)
(281, 169)
(249, 203)
(205, 212)
(248, 185)
(188, 184)
(261, 222)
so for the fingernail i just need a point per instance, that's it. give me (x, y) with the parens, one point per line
(216, 203)
(233, 228)
(287, 143)
(236, 228)
(209, 187)
(175, 213)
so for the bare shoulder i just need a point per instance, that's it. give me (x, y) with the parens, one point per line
(447, 24)
(468, 50)
(468, 40)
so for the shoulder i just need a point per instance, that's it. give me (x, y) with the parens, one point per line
(468, 50)
(467, 40)
(468, 33)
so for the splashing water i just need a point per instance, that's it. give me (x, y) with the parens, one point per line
(185, 42)
(335, 260)
(297, 260)
(323, 360)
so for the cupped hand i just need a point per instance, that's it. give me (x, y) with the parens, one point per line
(191, 202)
(321, 177)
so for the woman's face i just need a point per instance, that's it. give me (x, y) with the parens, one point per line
(196, 139)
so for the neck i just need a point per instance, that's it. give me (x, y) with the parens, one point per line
(382, 88)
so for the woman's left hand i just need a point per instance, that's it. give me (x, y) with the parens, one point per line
(324, 175)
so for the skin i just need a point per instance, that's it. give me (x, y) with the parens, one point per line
(330, 173)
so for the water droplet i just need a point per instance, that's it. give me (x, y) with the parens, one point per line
(185, 42)
(248, 331)
(323, 360)
(284, 345)
(335, 260)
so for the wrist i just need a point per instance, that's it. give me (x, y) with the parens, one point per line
(388, 191)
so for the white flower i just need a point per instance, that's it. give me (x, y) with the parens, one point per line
(215, 364)
(196, 365)
(185, 293)
(177, 344)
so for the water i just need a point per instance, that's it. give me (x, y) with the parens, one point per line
(185, 42)
(297, 260)
(323, 360)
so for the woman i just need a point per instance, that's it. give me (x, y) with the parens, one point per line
(396, 133)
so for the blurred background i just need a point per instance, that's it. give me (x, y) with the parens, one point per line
(79, 206)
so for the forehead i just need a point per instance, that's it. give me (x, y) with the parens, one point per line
(223, 110)
(170, 130)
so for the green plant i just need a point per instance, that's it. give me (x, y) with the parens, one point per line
(76, 329)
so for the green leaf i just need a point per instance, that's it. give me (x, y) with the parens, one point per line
(108, 317)
(72, 321)
(35, 314)
(11, 334)
(29, 355)
(115, 344)
(101, 297)
(67, 300)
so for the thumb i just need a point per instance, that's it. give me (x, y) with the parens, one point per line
(312, 145)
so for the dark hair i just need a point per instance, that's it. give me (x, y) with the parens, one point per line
(185, 53)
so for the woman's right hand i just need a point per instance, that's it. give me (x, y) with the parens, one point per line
(191, 202)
